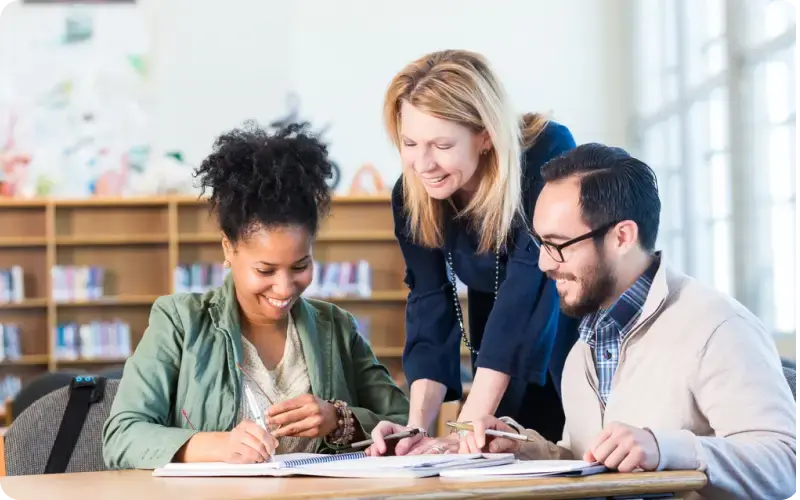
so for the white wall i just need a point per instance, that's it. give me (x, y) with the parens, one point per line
(217, 63)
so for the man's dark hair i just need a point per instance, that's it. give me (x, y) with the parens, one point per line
(266, 180)
(614, 187)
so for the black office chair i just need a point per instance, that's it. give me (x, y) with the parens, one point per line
(32, 437)
(37, 388)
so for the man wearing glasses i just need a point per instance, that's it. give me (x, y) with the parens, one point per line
(668, 373)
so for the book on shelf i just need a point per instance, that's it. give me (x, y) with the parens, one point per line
(10, 386)
(363, 325)
(341, 279)
(12, 285)
(9, 342)
(199, 277)
(74, 283)
(95, 340)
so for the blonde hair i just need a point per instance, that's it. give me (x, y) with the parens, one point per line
(459, 86)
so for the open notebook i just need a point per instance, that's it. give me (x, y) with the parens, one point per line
(529, 468)
(352, 465)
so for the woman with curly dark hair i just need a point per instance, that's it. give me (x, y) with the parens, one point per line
(252, 368)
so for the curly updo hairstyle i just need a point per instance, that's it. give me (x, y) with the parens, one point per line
(266, 180)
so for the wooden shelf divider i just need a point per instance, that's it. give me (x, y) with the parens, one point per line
(139, 242)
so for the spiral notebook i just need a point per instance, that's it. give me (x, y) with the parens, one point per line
(280, 465)
(351, 465)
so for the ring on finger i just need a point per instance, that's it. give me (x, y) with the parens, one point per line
(438, 448)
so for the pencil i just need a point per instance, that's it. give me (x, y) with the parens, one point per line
(489, 432)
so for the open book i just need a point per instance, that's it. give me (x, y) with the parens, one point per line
(350, 465)
(529, 468)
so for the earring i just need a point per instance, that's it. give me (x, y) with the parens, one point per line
(226, 264)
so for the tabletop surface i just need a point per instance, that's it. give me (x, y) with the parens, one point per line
(138, 484)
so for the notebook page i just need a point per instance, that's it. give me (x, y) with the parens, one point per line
(529, 467)
(404, 462)
(221, 466)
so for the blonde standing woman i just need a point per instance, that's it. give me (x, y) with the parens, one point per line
(463, 208)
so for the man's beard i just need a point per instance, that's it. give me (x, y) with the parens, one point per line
(597, 285)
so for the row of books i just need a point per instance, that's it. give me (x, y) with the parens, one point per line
(199, 277)
(10, 386)
(341, 279)
(330, 279)
(77, 282)
(12, 285)
(10, 346)
(98, 339)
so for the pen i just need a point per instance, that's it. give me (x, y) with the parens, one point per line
(490, 432)
(251, 401)
(398, 435)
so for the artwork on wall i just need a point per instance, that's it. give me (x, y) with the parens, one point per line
(293, 116)
(74, 101)
(368, 181)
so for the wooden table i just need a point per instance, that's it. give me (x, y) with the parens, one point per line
(141, 484)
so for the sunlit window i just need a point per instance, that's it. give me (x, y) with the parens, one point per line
(704, 38)
(774, 111)
(724, 205)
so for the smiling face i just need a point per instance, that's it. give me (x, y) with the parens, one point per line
(270, 268)
(443, 155)
(586, 279)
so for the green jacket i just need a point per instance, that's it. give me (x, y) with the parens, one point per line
(187, 360)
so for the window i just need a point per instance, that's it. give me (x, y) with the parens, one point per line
(704, 38)
(773, 108)
(697, 81)
(657, 55)
(663, 145)
(708, 170)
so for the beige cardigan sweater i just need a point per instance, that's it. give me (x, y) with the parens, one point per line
(704, 375)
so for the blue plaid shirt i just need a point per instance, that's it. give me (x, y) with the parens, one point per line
(605, 329)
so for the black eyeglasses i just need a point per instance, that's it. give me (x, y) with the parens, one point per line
(554, 250)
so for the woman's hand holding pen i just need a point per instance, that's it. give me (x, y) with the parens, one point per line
(403, 446)
(477, 441)
(248, 443)
(303, 416)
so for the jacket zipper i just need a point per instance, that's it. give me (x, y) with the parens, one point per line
(633, 333)
(622, 346)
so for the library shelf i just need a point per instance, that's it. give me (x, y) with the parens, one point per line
(140, 243)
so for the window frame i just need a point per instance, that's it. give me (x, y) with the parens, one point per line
(736, 77)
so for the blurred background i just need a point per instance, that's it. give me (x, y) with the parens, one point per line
(124, 98)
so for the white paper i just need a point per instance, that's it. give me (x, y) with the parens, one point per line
(530, 468)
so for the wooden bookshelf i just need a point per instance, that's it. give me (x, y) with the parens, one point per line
(140, 241)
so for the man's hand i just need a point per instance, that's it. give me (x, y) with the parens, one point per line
(478, 442)
(625, 448)
(303, 416)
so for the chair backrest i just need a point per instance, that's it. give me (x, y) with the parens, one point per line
(31, 436)
(37, 388)
(791, 378)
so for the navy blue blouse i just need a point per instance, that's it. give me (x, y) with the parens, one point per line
(520, 335)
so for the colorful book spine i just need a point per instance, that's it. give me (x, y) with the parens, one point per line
(10, 386)
(77, 283)
(12, 285)
(95, 340)
(199, 277)
(363, 325)
(10, 347)
(341, 279)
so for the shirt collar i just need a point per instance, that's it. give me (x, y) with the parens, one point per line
(627, 307)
